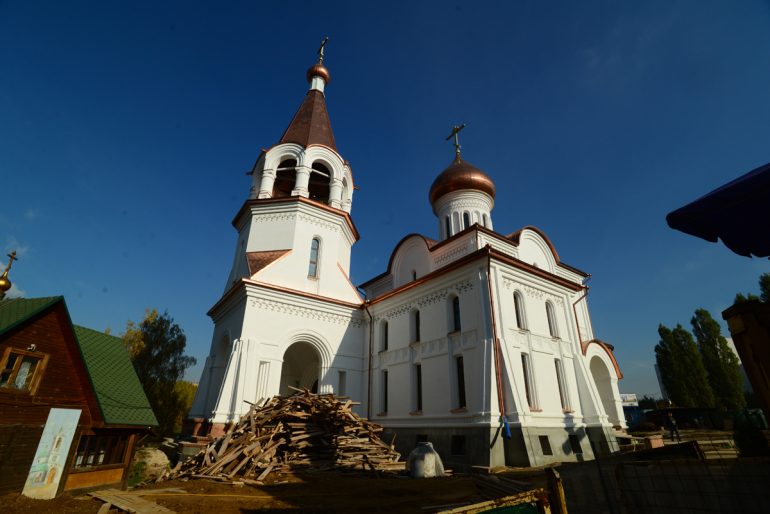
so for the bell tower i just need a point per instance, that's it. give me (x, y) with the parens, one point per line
(288, 310)
(295, 229)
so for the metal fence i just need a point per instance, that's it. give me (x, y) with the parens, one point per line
(704, 476)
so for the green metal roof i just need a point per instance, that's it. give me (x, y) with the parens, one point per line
(117, 387)
(17, 310)
(118, 390)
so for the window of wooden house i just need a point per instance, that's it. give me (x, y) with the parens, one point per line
(101, 450)
(21, 370)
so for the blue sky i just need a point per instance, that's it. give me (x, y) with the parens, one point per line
(126, 129)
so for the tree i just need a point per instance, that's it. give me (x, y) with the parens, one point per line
(157, 348)
(722, 365)
(186, 391)
(764, 292)
(681, 368)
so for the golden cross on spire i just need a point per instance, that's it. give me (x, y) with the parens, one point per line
(11, 257)
(321, 50)
(455, 130)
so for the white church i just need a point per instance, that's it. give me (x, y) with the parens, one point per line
(477, 341)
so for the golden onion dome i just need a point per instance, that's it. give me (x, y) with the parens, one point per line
(5, 282)
(461, 175)
(318, 70)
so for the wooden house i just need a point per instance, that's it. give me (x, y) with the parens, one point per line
(48, 363)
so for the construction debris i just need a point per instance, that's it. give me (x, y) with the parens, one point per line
(306, 430)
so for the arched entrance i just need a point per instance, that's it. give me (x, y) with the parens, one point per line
(301, 368)
(603, 381)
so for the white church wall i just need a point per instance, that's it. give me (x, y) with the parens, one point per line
(436, 351)
(294, 225)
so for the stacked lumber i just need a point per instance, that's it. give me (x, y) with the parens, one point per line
(306, 430)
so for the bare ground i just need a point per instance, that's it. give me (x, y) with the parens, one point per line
(289, 493)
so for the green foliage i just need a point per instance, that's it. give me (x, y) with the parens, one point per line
(649, 402)
(681, 368)
(186, 393)
(138, 471)
(764, 287)
(157, 348)
(764, 292)
(722, 365)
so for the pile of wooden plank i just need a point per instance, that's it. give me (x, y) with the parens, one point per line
(306, 430)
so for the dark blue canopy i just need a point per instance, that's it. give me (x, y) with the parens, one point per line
(738, 213)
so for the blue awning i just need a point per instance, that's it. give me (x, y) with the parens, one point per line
(738, 213)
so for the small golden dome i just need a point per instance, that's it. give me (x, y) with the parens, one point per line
(318, 70)
(5, 283)
(461, 175)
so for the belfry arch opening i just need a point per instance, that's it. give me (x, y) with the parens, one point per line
(318, 185)
(285, 176)
(301, 368)
(603, 381)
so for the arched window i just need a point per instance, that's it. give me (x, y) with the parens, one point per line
(315, 249)
(285, 176)
(456, 326)
(518, 304)
(553, 329)
(415, 328)
(318, 183)
(484, 220)
(448, 226)
(414, 274)
(384, 337)
(466, 220)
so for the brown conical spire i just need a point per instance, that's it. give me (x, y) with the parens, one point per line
(311, 124)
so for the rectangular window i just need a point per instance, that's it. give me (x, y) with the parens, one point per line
(385, 391)
(563, 396)
(416, 326)
(545, 445)
(456, 314)
(100, 450)
(418, 386)
(21, 370)
(527, 379)
(384, 345)
(342, 390)
(460, 382)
